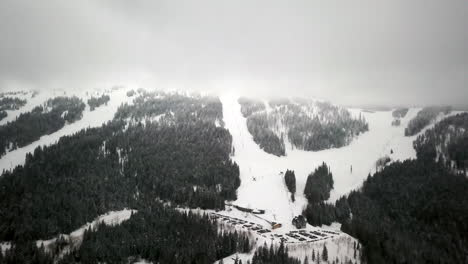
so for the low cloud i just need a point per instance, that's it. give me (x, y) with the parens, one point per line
(361, 52)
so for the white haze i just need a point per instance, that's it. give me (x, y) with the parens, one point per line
(350, 52)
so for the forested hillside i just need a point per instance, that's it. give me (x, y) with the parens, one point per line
(269, 141)
(172, 108)
(160, 235)
(413, 211)
(95, 102)
(122, 164)
(10, 103)
(398, 114)
(424, 118)
(264, 255)
(250, 106)
(447, 142)
(42, 120)
(306, 124)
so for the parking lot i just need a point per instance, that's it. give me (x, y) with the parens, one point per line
(290, 237)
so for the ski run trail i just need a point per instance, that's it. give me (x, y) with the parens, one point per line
(90, 119)
(262, 175)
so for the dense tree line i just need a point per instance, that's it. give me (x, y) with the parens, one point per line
(319, 184)
(257, 125)
(131, 93)
(424, 118)
(95, 102)
(290, 180)
(400, 112)
(119, 165)
(42, 120)
(250, 106)
(409, 212)
(315, 126)
(273, 255)
(334, 128)
(69, 108)
(64, 185)
(10, 103)
(171, 108)
(458, 153)
(308, 125)
(446, 143)
(160, 235)
(321, 213)
(26, 252)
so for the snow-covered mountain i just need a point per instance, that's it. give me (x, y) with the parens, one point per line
(262, 184)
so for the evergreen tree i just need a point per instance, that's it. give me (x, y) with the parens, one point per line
(325, 253)
(319, 184)
(290, 180)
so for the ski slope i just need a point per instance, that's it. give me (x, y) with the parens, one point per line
(262, 180)
(90, 119)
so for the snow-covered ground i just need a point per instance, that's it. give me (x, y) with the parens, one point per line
(262, 178)
(94, 118)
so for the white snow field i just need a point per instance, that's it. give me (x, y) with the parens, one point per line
(90, 119)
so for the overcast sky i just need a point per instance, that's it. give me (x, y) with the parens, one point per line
(350, 52)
